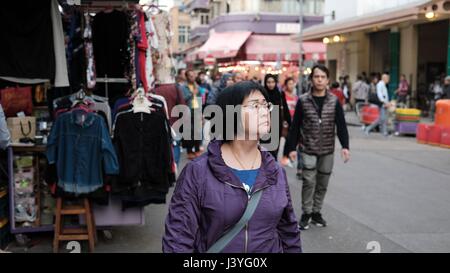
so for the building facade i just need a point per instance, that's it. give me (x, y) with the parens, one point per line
(397, 37)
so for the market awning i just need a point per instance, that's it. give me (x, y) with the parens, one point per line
(368, 21)
(282, 48)
(223, 44)
(191, 56)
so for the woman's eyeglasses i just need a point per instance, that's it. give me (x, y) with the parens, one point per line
(256, 106)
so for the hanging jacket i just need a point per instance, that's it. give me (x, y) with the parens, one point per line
(209, 199)
(80, 145)
(143, 146)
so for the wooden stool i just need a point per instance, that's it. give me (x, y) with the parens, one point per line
(74, 234)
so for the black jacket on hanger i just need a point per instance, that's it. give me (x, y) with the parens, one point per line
(110, 33)
(143, 147)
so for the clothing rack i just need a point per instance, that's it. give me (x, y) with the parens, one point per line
(107, 80)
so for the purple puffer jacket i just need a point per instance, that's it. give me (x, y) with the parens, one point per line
(209, 199)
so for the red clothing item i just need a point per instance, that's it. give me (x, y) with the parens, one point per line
(173, 97)
(142, 45)
(291, 101)
(339, 94)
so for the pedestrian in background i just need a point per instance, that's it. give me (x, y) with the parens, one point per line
(447, 88)
(360, 91)
(336, 90)
(193, 93)
(238, 77)
(437, 91)
(383, 98)
(345, 85)
(225, 81)
(402, 90)
(317, 116)
(276, 98)
(234, 178)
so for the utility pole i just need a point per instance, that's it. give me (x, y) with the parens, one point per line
(300, 58)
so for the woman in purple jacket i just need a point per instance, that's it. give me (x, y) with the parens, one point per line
(214, 190)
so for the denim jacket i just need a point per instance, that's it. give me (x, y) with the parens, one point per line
(81, 147)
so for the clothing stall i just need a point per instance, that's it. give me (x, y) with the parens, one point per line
(86, 121)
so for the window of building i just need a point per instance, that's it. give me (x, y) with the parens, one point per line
(183, 34)
(204, 19)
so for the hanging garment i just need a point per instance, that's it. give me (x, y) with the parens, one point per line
(80, 146)
(110, 32)
(26, 47)
(164, 67)
(133, 34)
(89, 51)
(143, 146)
(75, 51)
(142, 46)
(61, 74)
(152, 39)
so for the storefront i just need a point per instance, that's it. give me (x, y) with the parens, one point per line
(255, 55)
(92, 70)
(410, 40)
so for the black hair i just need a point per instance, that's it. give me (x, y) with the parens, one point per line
(288, 80)
(335, 85)
(360, 77)
(274, 77)
(320, 67)
(180, 71)
(187, 72)
(235, 95)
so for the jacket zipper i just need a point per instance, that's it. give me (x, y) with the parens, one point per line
(249, 197)
(320, 122)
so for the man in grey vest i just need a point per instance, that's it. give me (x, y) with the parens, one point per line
(317, 116)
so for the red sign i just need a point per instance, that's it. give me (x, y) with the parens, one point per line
(209, 60)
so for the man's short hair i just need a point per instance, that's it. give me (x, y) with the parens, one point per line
(320, 67)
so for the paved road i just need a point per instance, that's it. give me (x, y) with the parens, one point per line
(394, 192)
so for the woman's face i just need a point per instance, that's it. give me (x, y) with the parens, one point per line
(271, 83)
(255, 116)
(290, 86)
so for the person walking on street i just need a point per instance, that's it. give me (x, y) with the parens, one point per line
(174, 97)
(447, 88)
(402, 90)
(203, 83)
(345, 84)
(238, 77)
(193, 97)
(383, 98)
(235, 198)
(317, 116)
(276, 98)
(437, 91)
(289, 95)
(181, 79)
(225, 81)
(336, 90)
(360, 91)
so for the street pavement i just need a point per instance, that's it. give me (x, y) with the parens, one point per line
(393, 196)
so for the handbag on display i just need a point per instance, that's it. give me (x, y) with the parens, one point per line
(16, 99)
